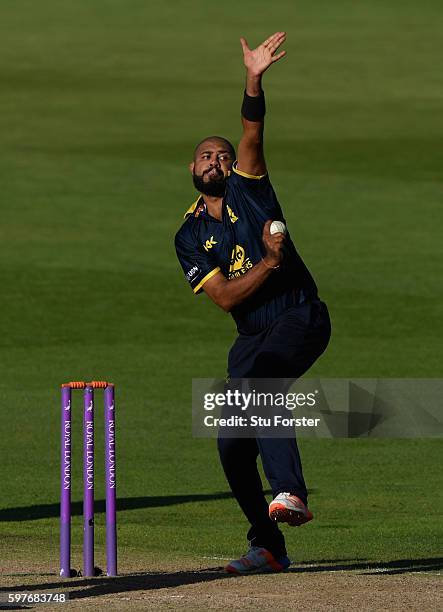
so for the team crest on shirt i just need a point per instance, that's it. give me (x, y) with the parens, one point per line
(239, 263)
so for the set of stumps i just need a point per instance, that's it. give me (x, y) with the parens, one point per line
(89, 568)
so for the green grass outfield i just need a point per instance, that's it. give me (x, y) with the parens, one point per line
(100, 105)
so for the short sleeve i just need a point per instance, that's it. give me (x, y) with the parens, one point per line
(255, 189)
(197, 265)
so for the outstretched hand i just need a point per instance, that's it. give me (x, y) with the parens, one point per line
(258, 60)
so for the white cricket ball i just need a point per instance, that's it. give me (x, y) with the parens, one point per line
(277, 227)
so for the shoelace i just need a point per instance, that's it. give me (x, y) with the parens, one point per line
(254, 551)
(298, 506)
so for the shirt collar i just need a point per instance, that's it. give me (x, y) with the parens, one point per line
(191, 210)
(196, 207)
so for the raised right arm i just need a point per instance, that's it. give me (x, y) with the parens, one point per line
(250, 155)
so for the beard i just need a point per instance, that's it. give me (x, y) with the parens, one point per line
(215, 187)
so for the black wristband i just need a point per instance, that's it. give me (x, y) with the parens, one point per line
(253, 107)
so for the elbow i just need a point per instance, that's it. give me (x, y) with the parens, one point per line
(225, 301)
(226, 304)
(224, 297)
(230, 303)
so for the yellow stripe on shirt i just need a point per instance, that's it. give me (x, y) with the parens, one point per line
(245, 174)
(206, 278)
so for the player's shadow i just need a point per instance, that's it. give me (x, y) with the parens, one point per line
(400, 566)
(42, 511)
(96, 587)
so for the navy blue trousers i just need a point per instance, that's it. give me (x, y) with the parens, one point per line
(286, 349)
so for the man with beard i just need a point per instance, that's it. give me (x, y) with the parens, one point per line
(226, 249)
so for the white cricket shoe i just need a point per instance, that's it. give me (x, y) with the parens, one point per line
(287, 508)
(257, 560)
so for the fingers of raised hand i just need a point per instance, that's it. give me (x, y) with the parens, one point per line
(275, 58)
(268, 40)
(275, 43)
(272, 38)
(244, 44)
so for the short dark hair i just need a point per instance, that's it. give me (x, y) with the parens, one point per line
(228, 145)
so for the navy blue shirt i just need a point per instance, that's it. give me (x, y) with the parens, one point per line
(206, 246)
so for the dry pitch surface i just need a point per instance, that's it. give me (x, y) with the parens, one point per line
(193, 587)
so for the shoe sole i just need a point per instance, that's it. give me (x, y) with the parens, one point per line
(260, 570)
(273, 567)
(282, 514)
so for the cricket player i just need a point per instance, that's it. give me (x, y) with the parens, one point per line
(226, 249)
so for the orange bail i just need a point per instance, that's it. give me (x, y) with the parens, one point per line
(95, 384)
(98, 384)
(75, 385)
